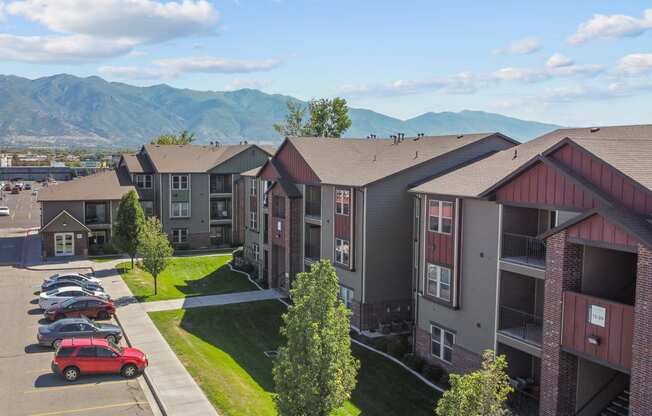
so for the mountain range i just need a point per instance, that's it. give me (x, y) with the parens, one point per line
(65, 110)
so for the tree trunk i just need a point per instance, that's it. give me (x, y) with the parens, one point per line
(155, 285)
(132, 262)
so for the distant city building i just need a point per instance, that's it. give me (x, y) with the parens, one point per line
(93, 164)
(5, 161)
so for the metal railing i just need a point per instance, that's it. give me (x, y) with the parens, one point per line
(519, 324)
(524, 248)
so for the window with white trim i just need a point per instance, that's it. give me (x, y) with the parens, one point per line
(253, 187)
(143, 181)
(256, 250)
(442, 342)
(179, 235)
(342, 201)
(148, 207)
(438, 282)
(253, 220)
(440, 216)
(342, 251)
(346, 295)
(180, 209)
(179, 182)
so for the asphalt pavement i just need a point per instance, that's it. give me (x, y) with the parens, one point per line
(25, 212)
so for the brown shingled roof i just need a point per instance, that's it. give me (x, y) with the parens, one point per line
(474, 179)
(358, 162)
(138, 163)
(192, 158)
(102, 186)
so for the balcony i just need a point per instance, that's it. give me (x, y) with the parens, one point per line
(220, 184)
(96, 213)
(220, 210)
(524, 249)
(521, 325)
(598, 328)
(313, 202)
(312, 247)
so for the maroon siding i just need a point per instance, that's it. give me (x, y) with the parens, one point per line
(542, 184)
(597, 229)
(605, 177)
(268, 172)
(615, 339)
(440, 247)
(344, 225)
(295, 165)
(279, 238)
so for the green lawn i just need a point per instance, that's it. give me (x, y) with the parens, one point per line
(186, 276)
(223, 346)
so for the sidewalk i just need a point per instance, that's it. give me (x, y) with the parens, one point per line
(211, 300)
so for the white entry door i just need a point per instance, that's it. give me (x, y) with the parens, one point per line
(64, 244)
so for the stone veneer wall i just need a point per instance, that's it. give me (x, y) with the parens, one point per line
(641, 376)
(464, 361)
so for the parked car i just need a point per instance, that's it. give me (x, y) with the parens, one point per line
(15, 190)
(20, 186)
(78, 277)
(54, 296)
(51, 335)
(88, 306)
(65, 281)
(81, 356)
(4, 211)
(27, 187)
(7, 187)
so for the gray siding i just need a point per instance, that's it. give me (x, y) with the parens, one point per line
(474, 321)
(389, 223)
(244, 161)
(50, 209)
(199, 205)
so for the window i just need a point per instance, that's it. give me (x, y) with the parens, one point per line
(65, 352)
(96, 213)
(148, 208)
(342, 251)
(254, 187)
(180, 209)
(440, 216)
(442, 343)
(179, 235)
(104, 352)
(346, 295)
(438, 282)
(253, 220)
(86, 352)
(86, 328)
(220, 209)
(143, 181)
(343, 202)
(278, 206)
(180, 182)
(69, 328)
(256, 251)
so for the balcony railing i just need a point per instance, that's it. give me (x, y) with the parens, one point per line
(524, 249)
(313, 208)
(312, 251)
(519, 324)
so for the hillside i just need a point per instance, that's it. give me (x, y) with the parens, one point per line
(65, 110)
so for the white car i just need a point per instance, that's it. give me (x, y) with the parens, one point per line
(71, 276)
(61, 294)
(4, 211)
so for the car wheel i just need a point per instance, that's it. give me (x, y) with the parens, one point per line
(111, 339)
(71, 373)
(102, 315)
(56, 343)
(129, 371)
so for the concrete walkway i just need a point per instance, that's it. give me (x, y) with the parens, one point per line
(211, 300)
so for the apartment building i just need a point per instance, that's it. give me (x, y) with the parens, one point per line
(78, 216)
(542, 252)
(345, 200)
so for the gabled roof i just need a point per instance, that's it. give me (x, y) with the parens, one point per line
(64, 221)
(192, 158)
(138, 163)
(359, 162)
(101, 186)
(252, 172)
(475, 179)
(288, 188)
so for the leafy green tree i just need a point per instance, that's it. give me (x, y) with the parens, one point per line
(183, 138)
(480, 393)
(128, 224)
(327, 118)
(154, 248)
(315, 371)
(293, 121)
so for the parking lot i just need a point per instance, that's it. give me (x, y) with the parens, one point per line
(25, 211)
(27, 385)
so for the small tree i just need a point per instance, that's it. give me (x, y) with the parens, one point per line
(293, 121)
(155, 248)
(315, 371)
(328, 118)
(129, 222)
(480, 393)
(183, 138)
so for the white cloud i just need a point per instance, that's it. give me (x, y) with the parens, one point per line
(3, 16)
(630, 87)
(238, 84)
(59, 49)
(207, 64)
(568, 93)
(135, 54)
(523, 46)
(129, 73)
(520, 74)
(572, 70)
(140, 21)
(461, 83)
(611, 27)
(558, 60)
(636, 63)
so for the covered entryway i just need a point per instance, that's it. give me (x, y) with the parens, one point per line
(64, 244)
(64, 236)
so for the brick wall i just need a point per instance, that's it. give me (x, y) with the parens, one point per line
(464, 361)
(641, 377)
(558, 368)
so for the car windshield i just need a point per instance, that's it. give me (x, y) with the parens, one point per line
(68, 302)
(116, 347)
(52, 292)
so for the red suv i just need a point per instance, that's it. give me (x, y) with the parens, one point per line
(88, 306)
(96, 356)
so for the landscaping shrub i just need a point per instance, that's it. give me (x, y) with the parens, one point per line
(380, 344)
(432, 372)
(397, 347)
(414, 362)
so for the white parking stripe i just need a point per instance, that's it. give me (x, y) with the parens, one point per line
(88, 409)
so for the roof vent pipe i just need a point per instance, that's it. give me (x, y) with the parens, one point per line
(515, 154)
(594, 129)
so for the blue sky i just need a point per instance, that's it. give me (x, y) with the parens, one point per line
(585, 63)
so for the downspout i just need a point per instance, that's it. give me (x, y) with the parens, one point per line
(364, 255)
